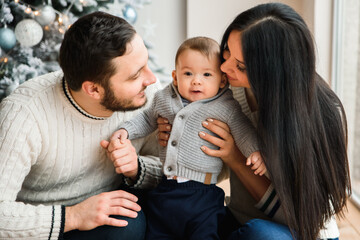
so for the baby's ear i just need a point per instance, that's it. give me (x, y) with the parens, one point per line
(223, 80)
(174, 78)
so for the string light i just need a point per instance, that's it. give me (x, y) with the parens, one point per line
(28, 10)
(4, 59)
(61, 16)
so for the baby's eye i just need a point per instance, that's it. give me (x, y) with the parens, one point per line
(187, 73)
(207, 74)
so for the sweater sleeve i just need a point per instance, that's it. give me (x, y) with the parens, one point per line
(270, 205)
(142, 124)
(150, 166)
(243, 131)
(20, 145)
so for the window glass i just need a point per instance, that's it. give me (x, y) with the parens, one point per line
(346, 78)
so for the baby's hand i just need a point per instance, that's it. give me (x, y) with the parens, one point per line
(122, 135)
(256, 160)
(114, 142)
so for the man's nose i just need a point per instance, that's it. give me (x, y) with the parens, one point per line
(149, 77)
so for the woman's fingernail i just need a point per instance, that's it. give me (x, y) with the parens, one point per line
(166, 121)
(205, 123)
(210, 119)
(202, 134)
(167, 127)
(202, 148)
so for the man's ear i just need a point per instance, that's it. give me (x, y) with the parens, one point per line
(174, 78)
(92, 89)
(223, 80)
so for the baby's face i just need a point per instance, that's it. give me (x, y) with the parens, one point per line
(196, 76)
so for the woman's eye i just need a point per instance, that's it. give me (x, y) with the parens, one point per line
(207, 74)
(240, 68)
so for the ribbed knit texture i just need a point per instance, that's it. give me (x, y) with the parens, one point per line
(50, 155)
(183, 156)
(243, 205)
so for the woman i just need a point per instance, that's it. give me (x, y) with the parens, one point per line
(269, 60)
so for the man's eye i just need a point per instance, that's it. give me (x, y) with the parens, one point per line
(207, 74)
(136, 75)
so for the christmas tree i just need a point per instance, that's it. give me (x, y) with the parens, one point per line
(31, 32)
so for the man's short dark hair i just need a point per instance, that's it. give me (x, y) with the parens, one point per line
(90, 44)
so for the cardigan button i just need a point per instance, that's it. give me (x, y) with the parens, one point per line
(173, 143)
(169, 169)
(181, 117)
(173, 96)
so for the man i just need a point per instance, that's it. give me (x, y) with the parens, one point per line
(54, 175)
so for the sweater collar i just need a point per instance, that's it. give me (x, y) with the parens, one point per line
(75, 105)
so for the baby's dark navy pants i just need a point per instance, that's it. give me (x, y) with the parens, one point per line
(189, 210)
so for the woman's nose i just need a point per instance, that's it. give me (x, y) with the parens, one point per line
(225, 66)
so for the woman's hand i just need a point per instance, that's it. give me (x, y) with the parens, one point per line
(164, 131)
(231, 155)
(227, 151)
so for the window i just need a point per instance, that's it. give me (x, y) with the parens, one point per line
(346, 78)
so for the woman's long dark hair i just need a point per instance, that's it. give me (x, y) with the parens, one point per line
(302, 124)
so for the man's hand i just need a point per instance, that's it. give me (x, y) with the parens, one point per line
(122, 153)
(95, 211)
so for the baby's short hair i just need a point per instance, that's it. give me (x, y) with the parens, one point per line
(207, 46)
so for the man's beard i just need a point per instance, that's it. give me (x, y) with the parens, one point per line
(110, 102)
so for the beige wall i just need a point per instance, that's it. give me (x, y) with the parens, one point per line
(175, 20)
(212, 20)
(211, 17)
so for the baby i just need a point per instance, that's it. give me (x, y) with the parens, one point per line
(187, 203)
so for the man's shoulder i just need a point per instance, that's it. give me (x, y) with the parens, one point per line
(35, 87)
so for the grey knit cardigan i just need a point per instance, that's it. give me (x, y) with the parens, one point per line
(183, 156)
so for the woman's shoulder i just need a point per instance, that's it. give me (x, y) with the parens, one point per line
(240, 97)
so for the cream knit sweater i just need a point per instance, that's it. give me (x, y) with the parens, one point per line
(50, 155)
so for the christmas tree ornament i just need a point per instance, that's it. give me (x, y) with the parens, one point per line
(129, 14)
(28, 32)
(11, 88)
(7, 39)
(40, 35)
(46, 15)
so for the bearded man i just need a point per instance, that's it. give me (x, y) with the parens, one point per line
(56, 180)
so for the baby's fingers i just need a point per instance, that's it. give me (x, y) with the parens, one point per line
(260, 170)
